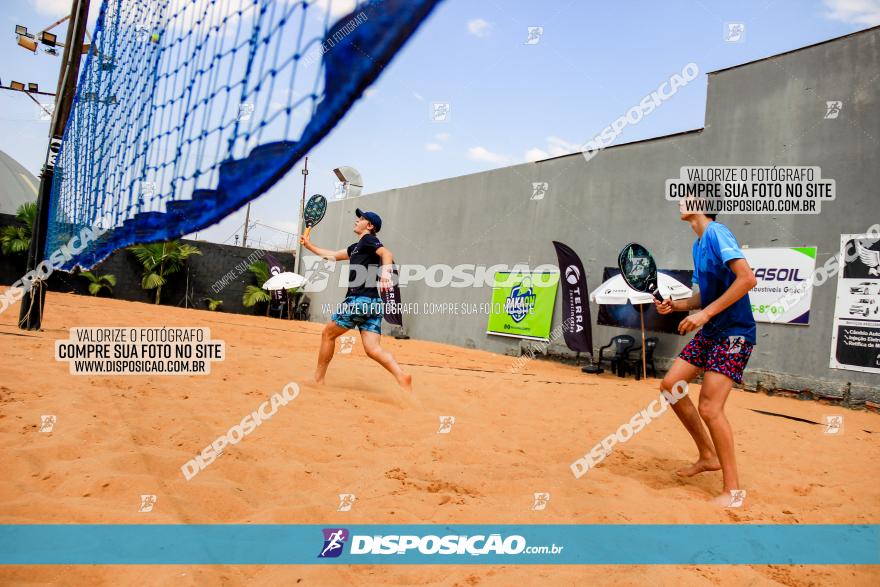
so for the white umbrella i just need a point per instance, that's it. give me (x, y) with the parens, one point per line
(285, 280)
(615, 291)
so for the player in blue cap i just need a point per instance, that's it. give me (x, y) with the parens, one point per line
(362, 306)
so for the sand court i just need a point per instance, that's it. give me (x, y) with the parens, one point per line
(117, 438)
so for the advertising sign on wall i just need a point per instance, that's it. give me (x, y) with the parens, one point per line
(522, 304)
(781, 272)
(855, 341)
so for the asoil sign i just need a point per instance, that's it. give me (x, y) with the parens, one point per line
(781, 272)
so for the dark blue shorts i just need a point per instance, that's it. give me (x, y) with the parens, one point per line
(727, 356)
(361, 312)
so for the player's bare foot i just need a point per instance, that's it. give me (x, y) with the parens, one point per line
(319, 379)
(730, 499)
(405, 381)
(700, 466)
(406, 399)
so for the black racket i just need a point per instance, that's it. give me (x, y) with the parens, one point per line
(314, 212)
(639, 269)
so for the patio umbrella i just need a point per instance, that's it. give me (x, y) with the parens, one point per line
(286, 280)
(615, 291)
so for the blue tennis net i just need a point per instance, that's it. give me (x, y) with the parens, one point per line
(186, 110)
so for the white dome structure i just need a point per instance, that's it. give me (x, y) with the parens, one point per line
(17, 185)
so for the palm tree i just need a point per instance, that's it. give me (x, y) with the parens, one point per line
(14, 239)
(160, 260)
(99, 282)
(213, 305)
(254, 294)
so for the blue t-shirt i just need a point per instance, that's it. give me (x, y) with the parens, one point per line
(712, 252)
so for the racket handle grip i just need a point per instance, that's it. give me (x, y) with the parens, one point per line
(307, 231)
(658, 296)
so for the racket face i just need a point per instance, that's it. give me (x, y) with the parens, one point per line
(314, 210)
(638, 268)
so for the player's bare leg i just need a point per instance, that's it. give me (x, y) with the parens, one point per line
(684, 408)
(331, 332)
(713, 395)
(375, 351)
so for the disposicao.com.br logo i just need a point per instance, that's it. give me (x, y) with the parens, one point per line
(334, 540)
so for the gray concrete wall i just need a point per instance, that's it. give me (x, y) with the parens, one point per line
(763, 113)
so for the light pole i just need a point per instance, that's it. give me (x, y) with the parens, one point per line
(28, 91)
(302, 204)
(31, 314)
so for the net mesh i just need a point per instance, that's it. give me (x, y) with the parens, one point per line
(187, 109)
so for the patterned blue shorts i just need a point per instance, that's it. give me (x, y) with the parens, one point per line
(361, 312)
(727, 356)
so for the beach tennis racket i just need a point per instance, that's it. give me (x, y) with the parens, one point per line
(639, 269)
(314, 212)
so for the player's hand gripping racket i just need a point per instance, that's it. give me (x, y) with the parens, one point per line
(639, 269)
(313, 213)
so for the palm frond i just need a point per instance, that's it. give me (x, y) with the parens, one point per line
(26, 214)
(260, 270)
(254, 295)
(152, 281)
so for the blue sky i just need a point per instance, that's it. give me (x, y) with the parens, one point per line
(510, 101)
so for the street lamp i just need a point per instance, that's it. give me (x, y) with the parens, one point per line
(49, 39)
(25, 39)
(352, 182)
(44, 37)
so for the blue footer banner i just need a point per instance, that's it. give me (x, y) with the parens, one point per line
(254, 544)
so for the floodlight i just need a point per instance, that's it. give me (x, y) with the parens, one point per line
(28, 43)
(48, 38)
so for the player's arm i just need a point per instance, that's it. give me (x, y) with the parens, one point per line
(385, 277)
(341, 255)
(686, 305)
(744, 281)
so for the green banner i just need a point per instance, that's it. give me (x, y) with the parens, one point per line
(522, 304)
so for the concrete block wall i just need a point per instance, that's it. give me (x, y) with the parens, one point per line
(769, 112)
(205, 270)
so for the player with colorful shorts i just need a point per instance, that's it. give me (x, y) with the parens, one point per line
(720, 349)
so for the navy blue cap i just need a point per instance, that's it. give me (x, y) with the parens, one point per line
(371, 216)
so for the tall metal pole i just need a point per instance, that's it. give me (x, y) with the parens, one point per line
(247, 220)
(644, 362)
(302, 206)
(31, 314)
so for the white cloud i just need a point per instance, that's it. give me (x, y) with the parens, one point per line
(484, 154)
(442, 136)
(336, 7)
(866, 12)
(59, 8)
(479, 27)
(555, 147)
(433, 147)
(536, 154)
(53, 7)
